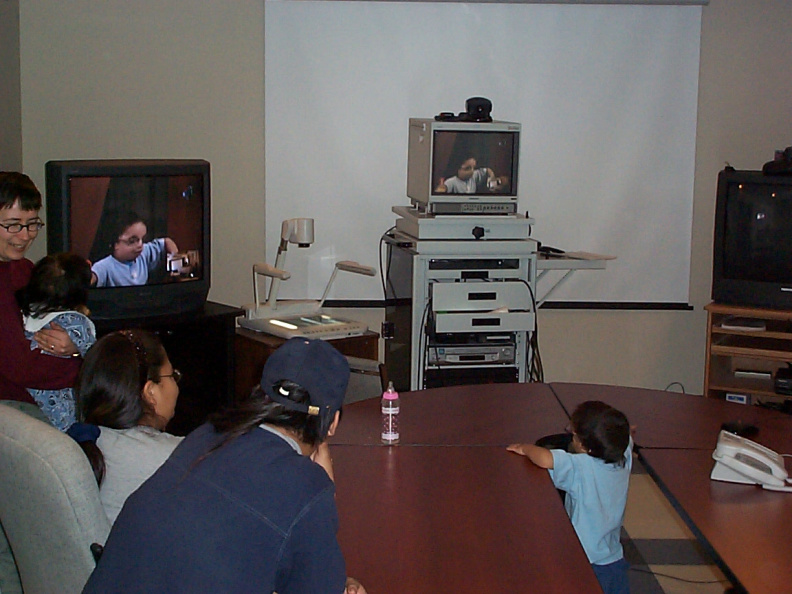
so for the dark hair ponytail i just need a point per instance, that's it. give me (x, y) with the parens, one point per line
(259, 408)
(86, 434)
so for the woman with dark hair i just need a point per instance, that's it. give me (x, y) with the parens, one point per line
(57, 294)
(246, 503)
(20, 367)
(126, 394)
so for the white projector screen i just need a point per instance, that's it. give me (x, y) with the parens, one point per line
(606, 96)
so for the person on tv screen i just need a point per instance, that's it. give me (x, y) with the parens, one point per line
(132, 259)
(21, 367)
(472, 179)
(57, 293)
(246, 503)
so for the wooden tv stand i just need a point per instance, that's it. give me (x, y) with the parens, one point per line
(745, 348)
(200, 344)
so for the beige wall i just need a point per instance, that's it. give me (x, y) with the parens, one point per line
(150, 79)
(217, 113)
(10, 99)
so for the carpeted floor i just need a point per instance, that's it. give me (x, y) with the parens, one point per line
(664, 556)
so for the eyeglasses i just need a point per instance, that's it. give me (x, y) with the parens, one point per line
(176, 375)
(32, 228)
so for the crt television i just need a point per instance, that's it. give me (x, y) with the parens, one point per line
(456, 167)
(752, 256)
(88, 201)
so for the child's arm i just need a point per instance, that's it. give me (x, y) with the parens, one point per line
(536, 454)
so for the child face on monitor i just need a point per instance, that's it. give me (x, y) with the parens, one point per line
(129, 244)
(465, 171)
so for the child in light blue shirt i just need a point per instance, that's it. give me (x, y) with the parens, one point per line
(596, 479)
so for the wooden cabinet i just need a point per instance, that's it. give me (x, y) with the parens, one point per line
(201, 345)
(745, 348)
(253, 348)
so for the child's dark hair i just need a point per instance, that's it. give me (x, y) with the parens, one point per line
(110, 384)
(58, 282)
(602, 430)
(124, 222)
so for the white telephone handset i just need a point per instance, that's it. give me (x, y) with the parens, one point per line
(740, 460)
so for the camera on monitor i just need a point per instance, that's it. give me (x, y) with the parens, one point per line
(477, 109)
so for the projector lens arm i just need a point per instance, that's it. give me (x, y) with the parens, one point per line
(349, 266)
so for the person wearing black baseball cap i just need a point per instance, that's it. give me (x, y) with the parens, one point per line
(247, 501)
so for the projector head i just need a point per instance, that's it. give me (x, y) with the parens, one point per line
(299, 231)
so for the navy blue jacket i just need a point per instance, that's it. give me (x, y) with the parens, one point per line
(253, 516)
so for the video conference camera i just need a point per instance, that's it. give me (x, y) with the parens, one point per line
(477, 109)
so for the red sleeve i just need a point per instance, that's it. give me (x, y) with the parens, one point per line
(19, 366)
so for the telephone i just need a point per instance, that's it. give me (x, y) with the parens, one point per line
(740, 460)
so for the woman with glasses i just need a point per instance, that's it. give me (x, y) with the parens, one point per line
(126, 394)
(131, 259)
(21, 367)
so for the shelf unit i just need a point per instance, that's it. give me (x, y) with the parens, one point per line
(743, 361)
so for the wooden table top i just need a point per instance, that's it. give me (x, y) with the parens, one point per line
(492, 414)
(748, 527)
(674, 420)
(454, 519)
(463, 515)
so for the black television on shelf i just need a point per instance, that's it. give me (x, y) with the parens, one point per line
(144, 225)
(752, 256)
(461, 167)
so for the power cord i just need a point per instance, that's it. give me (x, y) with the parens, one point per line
(677, 578)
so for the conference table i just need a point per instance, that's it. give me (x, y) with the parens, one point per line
(448, 509)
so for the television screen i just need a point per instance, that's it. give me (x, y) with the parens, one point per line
(456, 167)
(143, 225)
(752, 255)
(758, 233)
(478, 162)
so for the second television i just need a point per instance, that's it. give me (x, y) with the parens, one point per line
(143, 224)
(456, 167)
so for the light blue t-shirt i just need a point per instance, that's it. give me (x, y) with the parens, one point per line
(595, 501)
(114, 273)
(454, 185)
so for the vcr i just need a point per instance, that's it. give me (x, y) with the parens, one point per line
(471, 354)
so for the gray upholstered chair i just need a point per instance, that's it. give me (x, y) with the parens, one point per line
(49, 504)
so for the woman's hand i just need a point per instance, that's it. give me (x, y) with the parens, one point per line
(55, 340)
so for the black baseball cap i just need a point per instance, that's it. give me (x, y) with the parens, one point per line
(314, 365)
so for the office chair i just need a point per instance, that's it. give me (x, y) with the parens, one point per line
(49, 505)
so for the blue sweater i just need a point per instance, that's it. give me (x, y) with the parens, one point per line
(253, 516)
